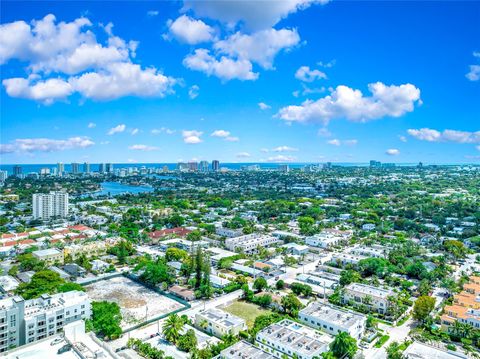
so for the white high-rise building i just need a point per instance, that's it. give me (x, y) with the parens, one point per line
(50, 205)
(3, 176)
(26, 321)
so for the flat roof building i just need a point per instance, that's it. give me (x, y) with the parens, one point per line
(244, 350)
(293, 339)
(219, 323)
(333, 320)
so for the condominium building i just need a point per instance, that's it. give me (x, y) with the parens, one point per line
(244, 350)
(203, 166)
(3, 176)
(60, 168)
(291, 339)
(219, 323)
(465, 307)
(86, 167)
(370, 296)
(26, 321)
(75, 168)
(333, 320)
(215, 165)
(17, 170)
(250, 242)
(109, 167)
(50, 205)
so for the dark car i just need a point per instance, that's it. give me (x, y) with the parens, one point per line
(64, 349)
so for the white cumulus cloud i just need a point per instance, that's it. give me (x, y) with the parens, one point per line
(193, 91)
(224, 68)
(304, 73)
(254, 15)
(260, 47)
(432, 135)
(474, 73)
(92, 125)
(392, 152)
(192, 136)
(190, 31)
(345, 102)
(281, 158)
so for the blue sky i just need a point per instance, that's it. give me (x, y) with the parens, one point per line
(296, 81)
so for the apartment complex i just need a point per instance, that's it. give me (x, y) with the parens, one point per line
(26, 321)
(250, 242)
(50, 205)
(244, 350)
(329, 238)
(465, 307)
(219, 323)
(370, 296)
(333, 320)
(291, 339)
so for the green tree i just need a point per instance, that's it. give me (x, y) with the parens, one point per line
(280, 284)
(344, 346)
(394, 351)
(45, 281)
(349, 276)
(291, 305)
(172, 327)
(106, 319)
(423, 307)
(188, 341)
(156, 273)
(260, 284)
(69, 286)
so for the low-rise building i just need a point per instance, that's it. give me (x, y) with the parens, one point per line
(50, 255)
(465, 307)
(370, 296)
(291, 339)
(333, 320)
(244, 350)
(219, 323)
(329, 238)
(8, 283)
(250, 242)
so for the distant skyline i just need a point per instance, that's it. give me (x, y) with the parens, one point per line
(296, 81)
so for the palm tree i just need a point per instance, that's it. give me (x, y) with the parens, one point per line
(344, 346)
(172, 327)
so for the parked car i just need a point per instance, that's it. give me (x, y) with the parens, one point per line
(56, 341)
(64, 349)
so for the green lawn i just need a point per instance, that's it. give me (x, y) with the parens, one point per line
(383, 339)
(247, 311)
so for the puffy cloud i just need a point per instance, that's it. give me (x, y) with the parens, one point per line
(305, 74)
(142, 148)
(285, 149)
(226, 69)
(474, 73)
(190, 31)
(281, 158)
(260, 47)
(117, 129)
(92, 125)
(254, 14)
(193, 91)
(134, 131)
(192, 136)
(337, 142)
(67, 47)
(45, 144)
(243, 155)
(166, 130)
(225, 135)
(392, 152)
(100, 71)
(264, 106)
(431, 135)
(31, 88)
(220, 133)
(123, 79)
(345, 102)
